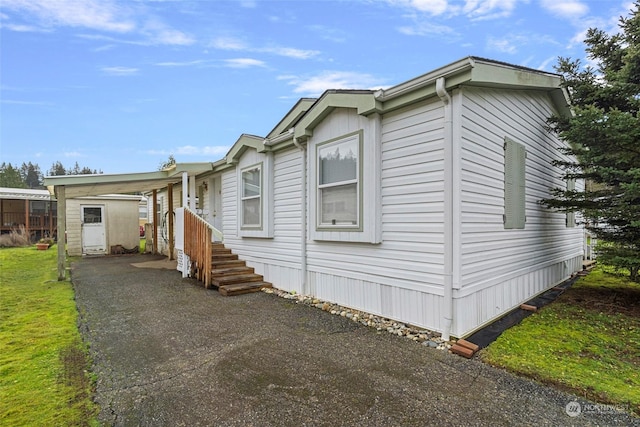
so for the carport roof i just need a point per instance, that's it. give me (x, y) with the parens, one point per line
(94, 185)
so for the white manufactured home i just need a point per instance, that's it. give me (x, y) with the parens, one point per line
(418, 202)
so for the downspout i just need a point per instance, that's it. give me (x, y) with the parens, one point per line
(448, 208)
(303, 215)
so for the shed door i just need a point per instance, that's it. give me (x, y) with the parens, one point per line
(93, 230)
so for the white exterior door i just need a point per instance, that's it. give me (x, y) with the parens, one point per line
(215, 203)
(93, 229)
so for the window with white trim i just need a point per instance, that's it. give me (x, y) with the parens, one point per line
(252, 197)
(339, 186)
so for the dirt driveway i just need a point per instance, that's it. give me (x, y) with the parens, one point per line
(167, 352)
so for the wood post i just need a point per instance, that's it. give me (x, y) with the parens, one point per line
(171, 237)
(155, 222)
(26, 216)
(62, 231)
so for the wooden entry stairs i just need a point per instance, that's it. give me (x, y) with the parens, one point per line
(230, 275)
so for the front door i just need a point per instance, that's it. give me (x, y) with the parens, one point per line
(93, 230)
(215, 203)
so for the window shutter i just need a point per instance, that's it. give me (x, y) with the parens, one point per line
(514, 184)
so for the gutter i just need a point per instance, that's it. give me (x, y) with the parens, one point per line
(425, 80)
(449, 211)
(303, 214)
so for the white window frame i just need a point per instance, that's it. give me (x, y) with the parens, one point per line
(244, 198)
(325, 226)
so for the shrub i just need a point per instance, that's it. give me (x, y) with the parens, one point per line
(17, 237)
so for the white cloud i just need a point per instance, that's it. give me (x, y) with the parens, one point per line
(545, 64)
(473, 9)
(316, 85)
(181, 64)
(120, 71)
(228, 43)
(244, 63)
(289, 52)
(572, 9)
(192, 150)
(503, 45)
(102, 15)
(512, 43)
(488, 9)
(426, 29)
(99, 15)
(73, 154)
(231, 43)
(104, 48)
(433, 7)
(328, 33)
(20, 28)
(159, 33)
(19, 102)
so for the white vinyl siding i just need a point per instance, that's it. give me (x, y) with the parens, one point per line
(277, 259)
(515, 155)
(514, 264)
(343, 126)
(400, 278)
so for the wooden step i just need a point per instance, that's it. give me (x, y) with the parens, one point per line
(217, 246)
(223, 256)
(220, 272)
(220, 251)
(237, 278)
(230, 263)
(242, 288)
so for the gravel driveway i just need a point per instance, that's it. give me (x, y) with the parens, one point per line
(167, 352)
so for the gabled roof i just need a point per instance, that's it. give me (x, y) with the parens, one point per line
(241, 145)
(292, 117)
(470, 71)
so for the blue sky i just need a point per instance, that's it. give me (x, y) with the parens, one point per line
(119, 85)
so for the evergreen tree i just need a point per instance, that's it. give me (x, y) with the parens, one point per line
(10, 176)
(604, 137)
(57, 169)
(31, 175)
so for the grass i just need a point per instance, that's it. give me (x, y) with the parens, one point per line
(587, 342)
(43, 362)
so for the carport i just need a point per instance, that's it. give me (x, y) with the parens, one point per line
(71, 186)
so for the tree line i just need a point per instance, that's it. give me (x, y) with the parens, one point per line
(29, 175)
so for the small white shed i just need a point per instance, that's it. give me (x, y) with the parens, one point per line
(97, 223)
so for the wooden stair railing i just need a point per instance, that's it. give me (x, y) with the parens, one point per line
(198, 246)
(213, 264)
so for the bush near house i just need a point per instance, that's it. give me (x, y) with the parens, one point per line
(16, 238)
(43, 362)
(587, 341)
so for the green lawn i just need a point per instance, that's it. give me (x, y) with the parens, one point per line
(587, 341)
(43, 362)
